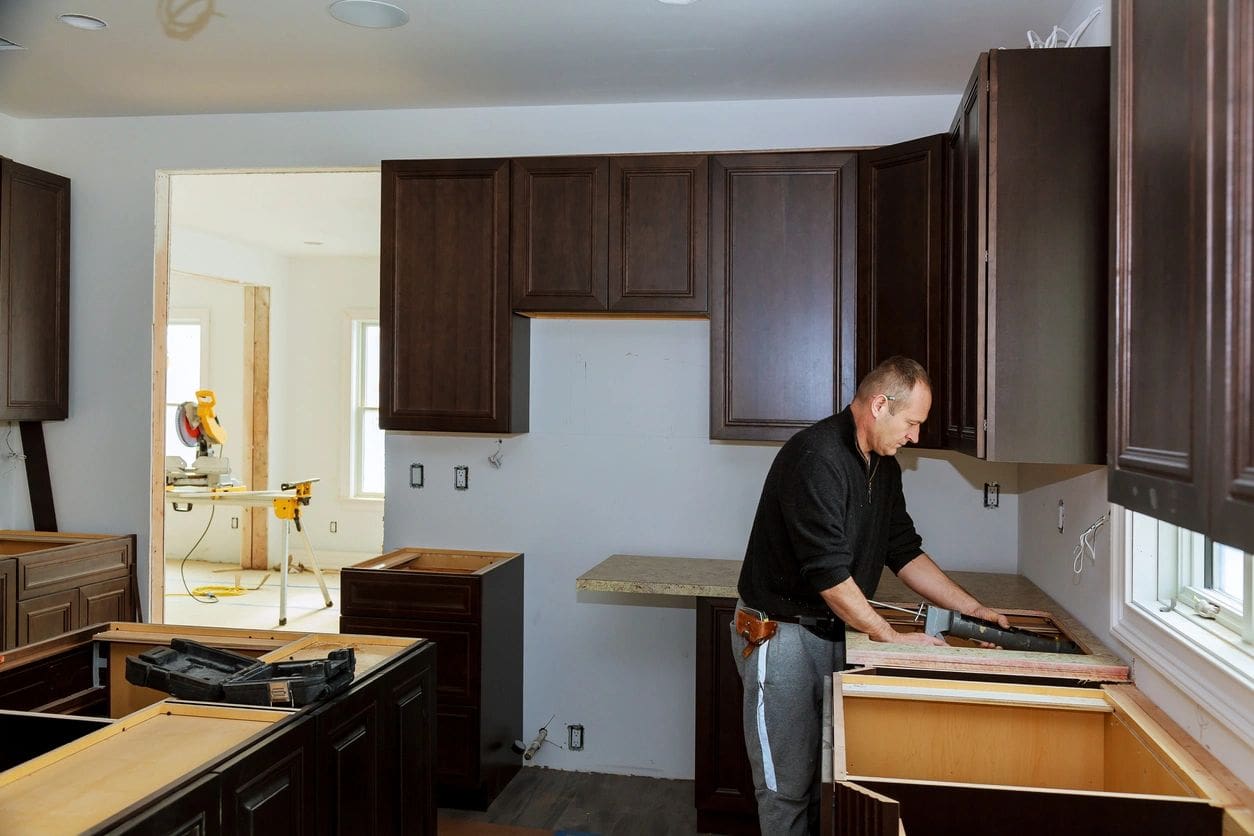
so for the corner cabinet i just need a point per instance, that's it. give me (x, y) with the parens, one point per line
(1181, 396)
(34, 294)
(782, 291)
(609, 234)
(452, 356)
(1028, 182)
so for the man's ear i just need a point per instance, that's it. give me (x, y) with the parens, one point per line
(878, 404)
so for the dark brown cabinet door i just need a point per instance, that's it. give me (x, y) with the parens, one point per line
(901, 267)
(45, 616)
(268, 789)
(560, 225)
(1027, 348)
(8, 604)
(963, 400)
(782, 291)
(1232, 387)
(1159, 397)
(191, 811)
(105, 601)
(34, 294)
(452, 357)
(658, 226)
(350, 748)
(723, 785)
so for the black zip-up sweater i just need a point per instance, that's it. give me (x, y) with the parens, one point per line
(825, 515)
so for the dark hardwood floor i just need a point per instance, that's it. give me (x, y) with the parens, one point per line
(591, 802)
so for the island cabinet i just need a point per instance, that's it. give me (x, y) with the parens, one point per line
(34, 294)
(1028, 182)
(470, 605)
(452, 357)
(51, 583)
(1037, 760)
(782, 291)
(359, 762)
(609, 234)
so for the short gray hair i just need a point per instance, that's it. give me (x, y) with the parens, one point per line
(896, 378)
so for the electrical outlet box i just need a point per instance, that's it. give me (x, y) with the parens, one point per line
(461, 477)
(574, 737)
(992, 494)
(415, 475)
(234, 522)
(335, 526)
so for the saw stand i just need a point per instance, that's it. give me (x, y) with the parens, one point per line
(286, 508)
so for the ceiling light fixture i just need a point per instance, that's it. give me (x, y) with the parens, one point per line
(82, 21)
(368, 14)
(677, 2)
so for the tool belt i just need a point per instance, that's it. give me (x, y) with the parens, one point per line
(756, 630)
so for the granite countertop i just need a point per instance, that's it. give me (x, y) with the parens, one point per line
(712, 578)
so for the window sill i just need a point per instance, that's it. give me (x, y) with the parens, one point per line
(1207, 662)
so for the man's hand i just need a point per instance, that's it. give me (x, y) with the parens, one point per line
(985, 614)
(911, 638)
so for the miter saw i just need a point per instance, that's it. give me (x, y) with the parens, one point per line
(195, 425)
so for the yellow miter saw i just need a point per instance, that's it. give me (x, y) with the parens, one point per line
(196, 426)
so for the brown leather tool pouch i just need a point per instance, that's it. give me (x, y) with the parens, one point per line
(753, 630)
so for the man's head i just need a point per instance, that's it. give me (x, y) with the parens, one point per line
(890, 404)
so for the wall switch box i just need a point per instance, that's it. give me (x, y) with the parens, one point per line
(461, 477)
(415, 475)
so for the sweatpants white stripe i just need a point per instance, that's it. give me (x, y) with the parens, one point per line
(768, 765)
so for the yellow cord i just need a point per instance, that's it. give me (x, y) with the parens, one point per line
(218, 591)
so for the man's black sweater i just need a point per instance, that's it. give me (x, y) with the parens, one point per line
(825, 515)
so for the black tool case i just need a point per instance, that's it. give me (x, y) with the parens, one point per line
(192, 671)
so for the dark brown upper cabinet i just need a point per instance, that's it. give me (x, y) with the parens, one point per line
(1181, 437)
(34, 294)
(609, 234)
(452, 356)
(1029, 181)
(901, 267)
(782, 295)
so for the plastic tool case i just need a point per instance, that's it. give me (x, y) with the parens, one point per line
(192, 671)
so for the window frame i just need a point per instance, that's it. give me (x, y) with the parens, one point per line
(1207, 660)
(357, 321)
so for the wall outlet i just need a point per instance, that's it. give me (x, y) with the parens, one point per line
(1062, 512)
(335, 526)
(574, 737)
(992, 494)
(461, 477)
(234, 522)
(415, 475)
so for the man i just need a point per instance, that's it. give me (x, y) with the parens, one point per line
(831, 516)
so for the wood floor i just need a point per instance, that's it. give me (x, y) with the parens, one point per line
(608, 805)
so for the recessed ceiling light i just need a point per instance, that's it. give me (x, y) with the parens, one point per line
(82, 21)
(313, 243)
(369, 14)
(677, 2)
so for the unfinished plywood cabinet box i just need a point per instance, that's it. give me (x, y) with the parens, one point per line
(931, 754)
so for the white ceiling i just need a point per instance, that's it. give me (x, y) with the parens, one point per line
(243, 56)
(240, 56)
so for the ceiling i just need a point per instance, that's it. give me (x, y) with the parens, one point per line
(245, 56)
(240, 56)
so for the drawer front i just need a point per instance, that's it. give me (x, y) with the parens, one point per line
(379, 594)
(458, 652)
(73, 566)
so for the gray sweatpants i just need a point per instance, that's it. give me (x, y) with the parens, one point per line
(783, 697)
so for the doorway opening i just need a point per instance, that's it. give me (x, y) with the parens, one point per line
(265, 307)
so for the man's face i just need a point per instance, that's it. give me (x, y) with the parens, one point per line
(891, 432)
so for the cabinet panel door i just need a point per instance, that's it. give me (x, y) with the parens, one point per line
(105, 601)
(658, 222)
(8, 604)
(349, 744)
(782, 296)
(559, 226)
(457, 747)
(451, 357)
(901, 268)
(1158, 398)
(47, 616)
(194, 810)
(410, 731)
(268, 790)
(964, 357)
(1232, 399)
(34, 294)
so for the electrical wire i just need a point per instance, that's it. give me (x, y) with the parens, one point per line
(210, 598)
(1085, 547)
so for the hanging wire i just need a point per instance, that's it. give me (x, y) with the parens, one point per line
(12, 454)
(1085, 547)
(209, 598)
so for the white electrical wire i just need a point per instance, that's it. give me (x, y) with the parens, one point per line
(1085, 547)
(12, 454)
(1059, 37)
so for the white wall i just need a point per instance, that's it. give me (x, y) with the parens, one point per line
(1098, 31)
(313, 441)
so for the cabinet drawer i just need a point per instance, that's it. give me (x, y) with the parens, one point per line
(397, 595)
(58, 569)
(457, 652)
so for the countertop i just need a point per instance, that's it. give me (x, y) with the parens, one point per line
(713, 578)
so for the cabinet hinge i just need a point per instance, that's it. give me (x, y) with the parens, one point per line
(985, 425)
(986, 256)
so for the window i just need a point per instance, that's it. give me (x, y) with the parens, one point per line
(1183, 604)
(366, 467)
(184, 370)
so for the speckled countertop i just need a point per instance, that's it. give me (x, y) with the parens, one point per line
(712, 578)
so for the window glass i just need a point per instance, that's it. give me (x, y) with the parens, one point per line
(182, 378)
